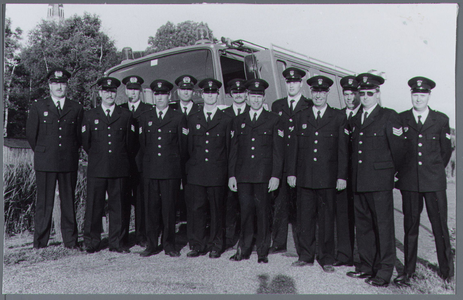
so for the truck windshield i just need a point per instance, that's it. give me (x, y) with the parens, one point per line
(197, 63)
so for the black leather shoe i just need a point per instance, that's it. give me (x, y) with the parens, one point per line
(214, 254)
(275, 250)
(141, 243)
(328, 268)
(238, 257)
(150, 252)
(119, 250)
(75, 247)
(173, 253)
(262, 260)
(339, 263)
(195, 253)
(355, 274)
(402, 280)
(91, 249)
(301, 263)
(378, 282)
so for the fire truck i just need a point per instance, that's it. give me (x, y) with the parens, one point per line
(224, 61)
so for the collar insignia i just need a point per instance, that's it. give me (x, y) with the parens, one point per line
(45, 113)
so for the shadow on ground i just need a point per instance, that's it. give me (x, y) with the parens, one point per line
(280, 284)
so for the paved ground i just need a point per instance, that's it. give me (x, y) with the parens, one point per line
(111, 273)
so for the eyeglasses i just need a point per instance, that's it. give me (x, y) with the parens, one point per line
(370, 94)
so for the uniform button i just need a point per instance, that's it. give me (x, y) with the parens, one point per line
(207, 151)
(59, 136)
(360, 151)
(159, 154)
(314, 159)
(419, 153)
(206, 159)
(60, 128)
(59, 145)
(290, 120)
(316, 132)
(110, 151)
(207, 133)
(252, 156)
(315, 150)
(109, 127)
(360, 161)
(159, 138)
(315, 142)
(109, 143)
(59, 121)
(207, 142)
(361, 133)
(360, 142)
(109, 134)
(289, 136)
(159, 130)
(253, 139)
(420, 135)
(253, 148)
(420, 163)
(159, 146)
(420, 145)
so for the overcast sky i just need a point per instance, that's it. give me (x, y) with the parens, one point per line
(403, 40)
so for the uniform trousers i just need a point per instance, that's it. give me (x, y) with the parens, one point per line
(135, 198)
(345, 229)
(46, 184)
(117, 203)
(160, 198)
(374, 221)
(232, 218)
(206, 200)
(254, 203)
(284, 212)
(316, 206)
(436, 206)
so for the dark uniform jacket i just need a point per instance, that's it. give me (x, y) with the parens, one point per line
(319, 156)
(137, 160)
(428, 153)
(281, 108)
(194, 109)
(109, 144)
(257, 150)
(55, 139)
(378, 150)
(208, 148)
(229, 110)
(164, 143)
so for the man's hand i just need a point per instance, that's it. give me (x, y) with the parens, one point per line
(341, 184)
(232, 184)
(273, 184)
(292, 181)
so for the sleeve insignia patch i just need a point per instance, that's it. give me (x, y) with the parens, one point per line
(291, 129)
(84, 128)
(185, 131)
(150, 123)
(243, 125)
(97, 121)
(45, 113)
(198, 126)
(140, 130)
(280, 113)
(132, 127)
(346, 131)
(405, 129)
(447, 135)
(304, 126)
(397, 131)
(281, 133)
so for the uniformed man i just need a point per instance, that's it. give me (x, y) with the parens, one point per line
(163, 138)
(318, 166)
(237, 90)
(186, 84)
(255, 169)
(53, 132)
(108, 137)
(428, 148)
(133, 91)
(285, 202)
(378, 150)
(345, 231)
(208, 146)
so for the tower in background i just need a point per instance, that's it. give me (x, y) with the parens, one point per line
(55, 12)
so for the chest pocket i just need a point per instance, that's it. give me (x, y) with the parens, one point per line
(433, 139)
(375, 140)
(70, 126)
(265, 136)
(47, 125)
(330, 139)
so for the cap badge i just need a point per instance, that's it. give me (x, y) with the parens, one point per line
(198, 126)
(186, 79)
(237, 84)
(365, 79)
(109, 81)
(351, 81)
(256, 84)
(133, 79)
(210, 83)
(291, 73)
(419, 82)
(45, 113)
(320, 81)
(97, 121)
(58, 74)
(159, 84)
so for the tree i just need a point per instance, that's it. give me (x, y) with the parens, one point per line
(170, 36)
(12, 46)
(76, 44)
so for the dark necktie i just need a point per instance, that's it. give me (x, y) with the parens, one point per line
(208, 119)
(254, 119)
(58, 106)
(239, 111)
(160, 116)
(133, 108)
(420, 124)
(108, 116)
(365, 116)
(291, 106)
(318, 117)
(350, 115)
(185, 109)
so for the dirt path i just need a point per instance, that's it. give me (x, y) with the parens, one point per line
(111, 273)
